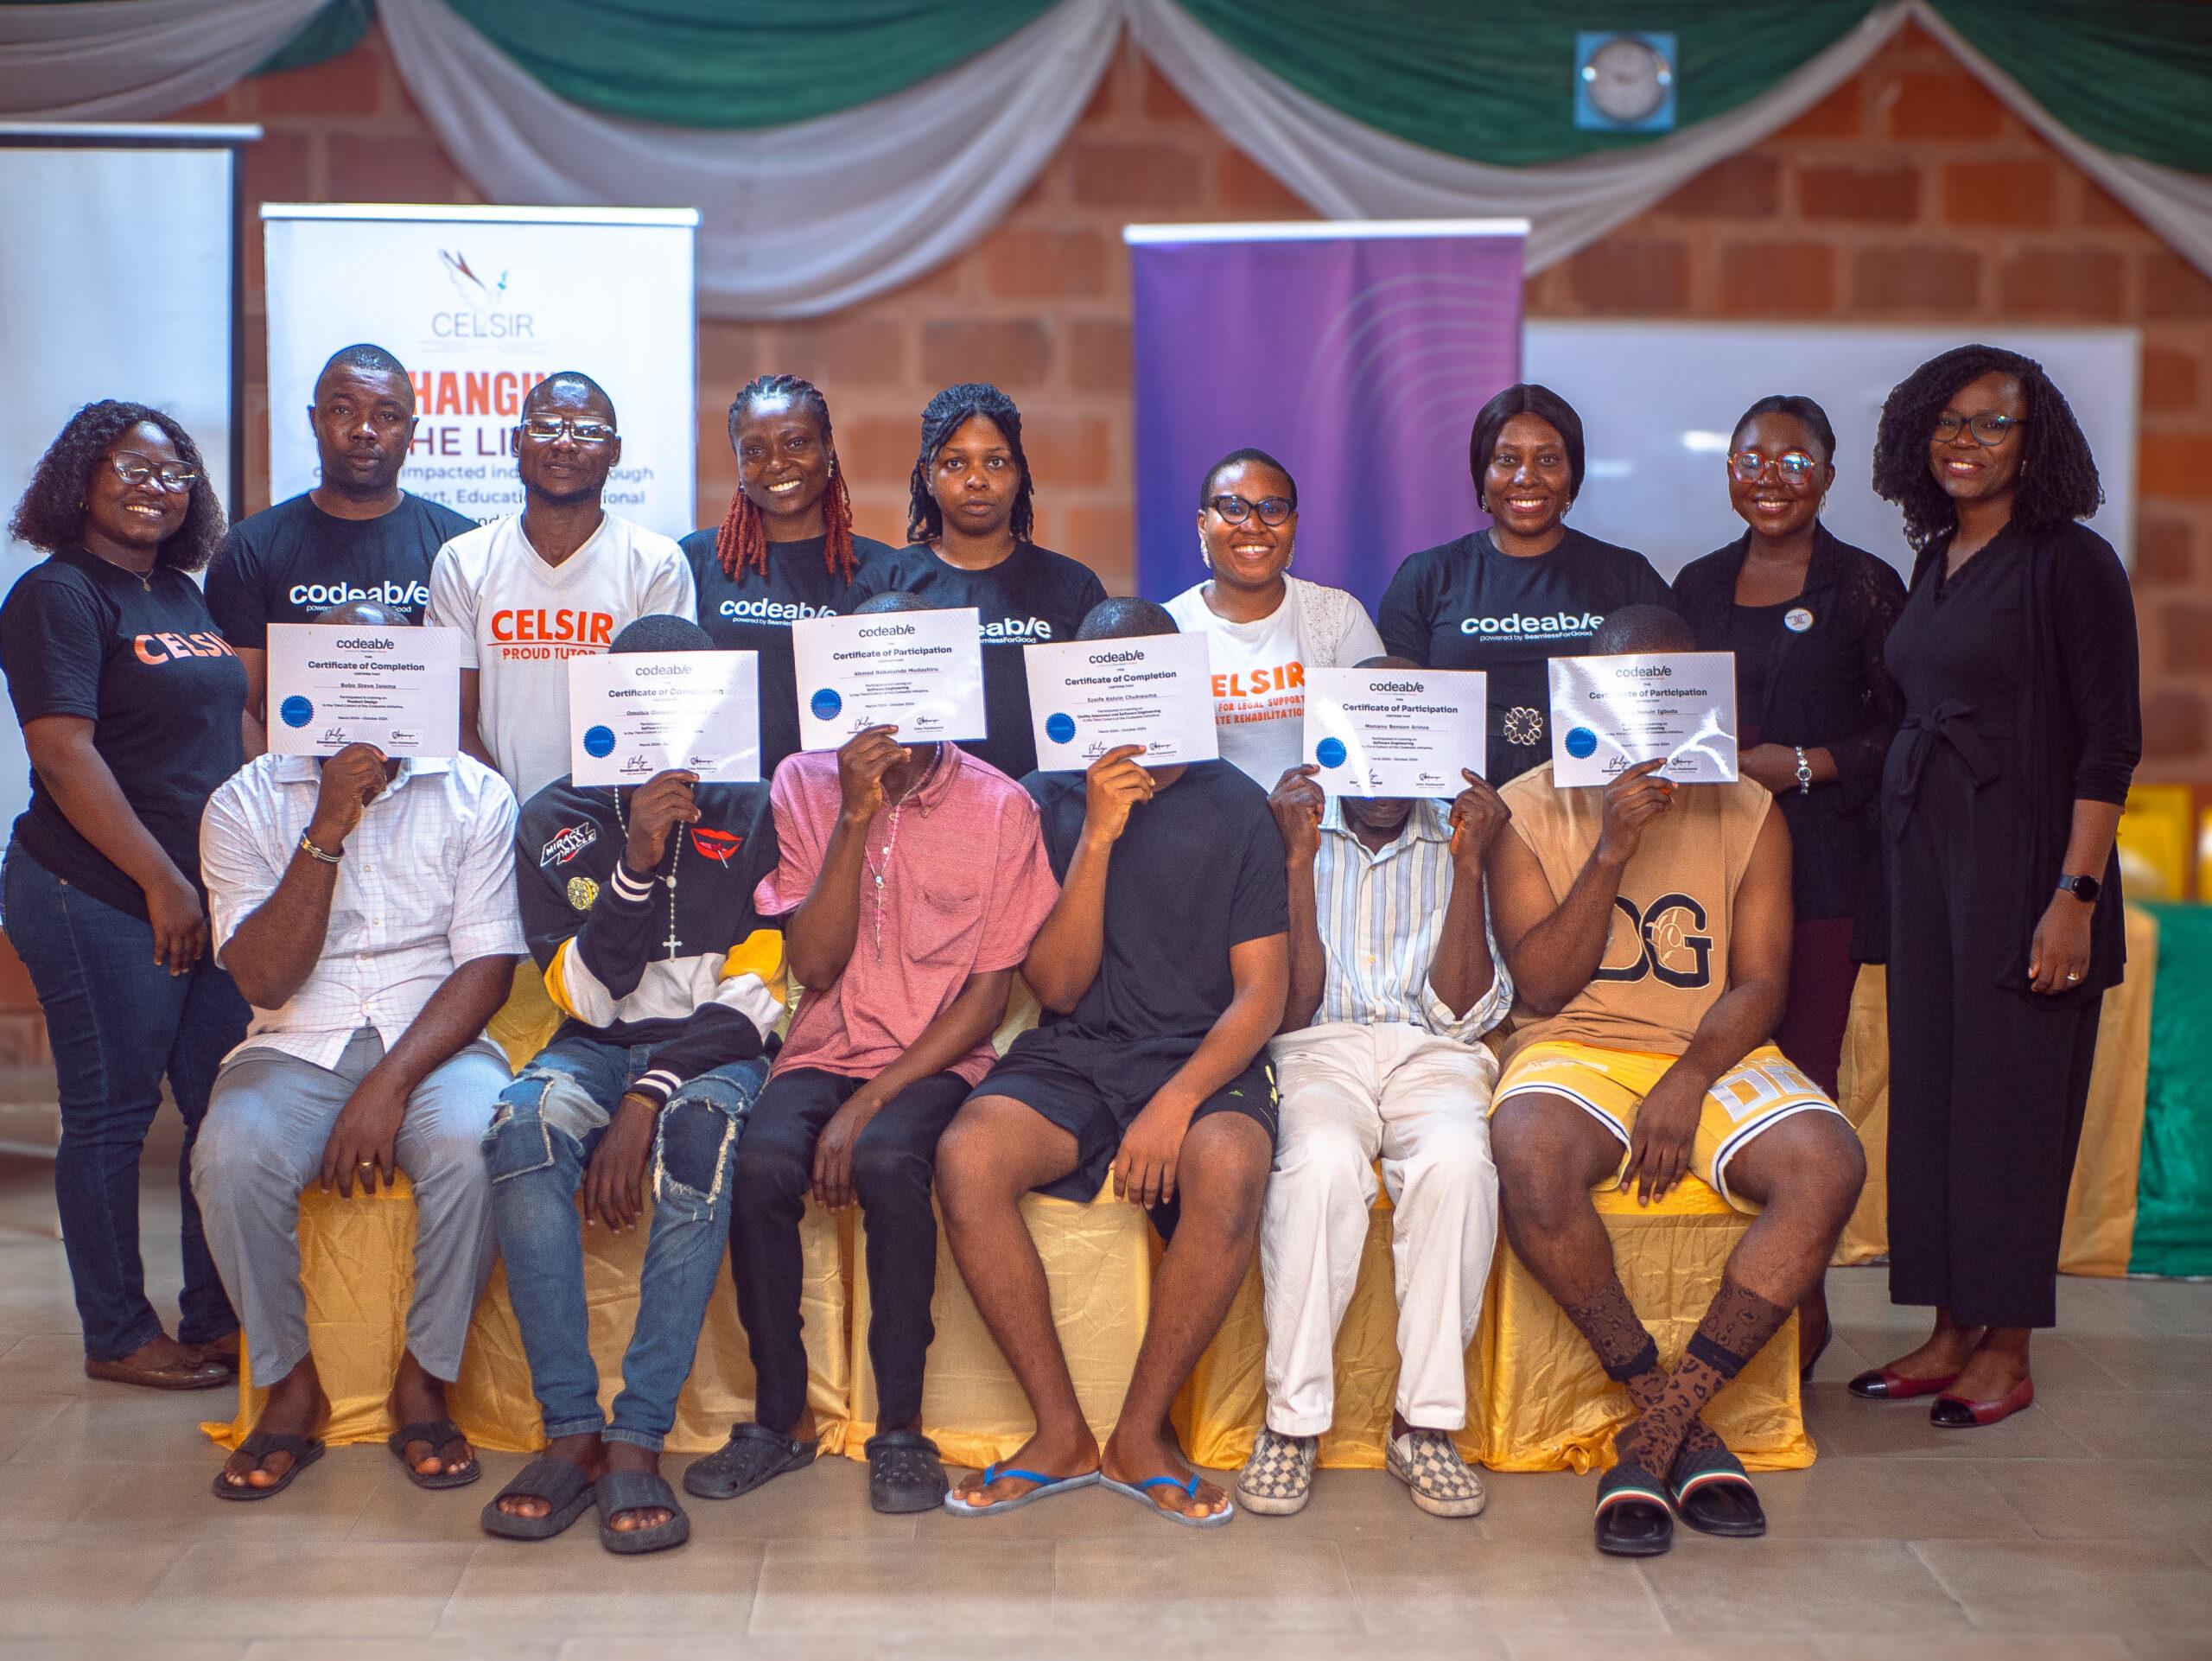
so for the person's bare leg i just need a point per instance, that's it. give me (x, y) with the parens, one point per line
(1947, 1351)
(1221, 1177)
(1549, 1154)
(586, 1452)
(996, 1150)
(417, 1396)
(296, 1407)
(1998, 1364)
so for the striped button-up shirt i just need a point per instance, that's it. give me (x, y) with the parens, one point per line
(1381, 915)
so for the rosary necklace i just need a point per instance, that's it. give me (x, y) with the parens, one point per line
(676, 836)
(890, 841)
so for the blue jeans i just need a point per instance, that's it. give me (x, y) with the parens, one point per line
(117, 1023)
(549, 1121)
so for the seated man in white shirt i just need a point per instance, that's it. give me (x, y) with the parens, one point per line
(366, 908)
(1392, 986)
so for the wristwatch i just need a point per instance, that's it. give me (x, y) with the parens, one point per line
(1804, 772)
(2083, 888)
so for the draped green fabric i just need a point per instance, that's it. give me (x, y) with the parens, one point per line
(719, 65)
(2173, 1200)
(331, 33)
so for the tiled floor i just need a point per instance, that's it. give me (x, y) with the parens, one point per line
(2083, 1529)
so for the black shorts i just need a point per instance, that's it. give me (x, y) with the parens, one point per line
(1093, 1091)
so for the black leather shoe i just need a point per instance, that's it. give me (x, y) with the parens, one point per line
(903, 1473)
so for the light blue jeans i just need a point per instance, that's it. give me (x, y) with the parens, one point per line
(551, 1120)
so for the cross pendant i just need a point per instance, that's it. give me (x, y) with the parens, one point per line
(672, 943)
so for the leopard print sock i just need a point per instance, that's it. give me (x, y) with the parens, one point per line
(1737, 1325)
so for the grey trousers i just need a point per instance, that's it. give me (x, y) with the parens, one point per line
(268, 1119)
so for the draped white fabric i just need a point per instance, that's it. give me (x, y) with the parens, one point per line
(127, 59)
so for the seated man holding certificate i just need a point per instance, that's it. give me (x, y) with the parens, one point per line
(1162, 972)
(639, 905)
(1647, 926)
(911, 882)
(1380, 1055)
(366, 907)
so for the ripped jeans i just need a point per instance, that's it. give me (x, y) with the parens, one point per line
(550, 1120)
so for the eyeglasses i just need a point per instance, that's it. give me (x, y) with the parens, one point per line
(1795, 466)
(1272, 509)
(135, 469)
(549, 429)
(1989, 429)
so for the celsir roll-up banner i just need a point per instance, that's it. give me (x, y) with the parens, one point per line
(480, 304)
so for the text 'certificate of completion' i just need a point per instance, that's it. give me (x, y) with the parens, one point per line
(1608, 714)
(921, 672)
(634, 714)
(1395, 732)
(1087, 696)
(332, 685)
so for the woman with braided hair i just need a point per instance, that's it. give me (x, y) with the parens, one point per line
(969, 531)
(786, 549)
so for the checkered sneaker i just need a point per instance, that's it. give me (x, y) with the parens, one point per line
(1278, 1479)
(1442, 1484)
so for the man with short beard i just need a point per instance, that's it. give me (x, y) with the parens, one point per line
(356, 536)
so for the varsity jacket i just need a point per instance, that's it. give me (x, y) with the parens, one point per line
(677, 959)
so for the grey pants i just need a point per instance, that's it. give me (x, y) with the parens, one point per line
(268, 1121)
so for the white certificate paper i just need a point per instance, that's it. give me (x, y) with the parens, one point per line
(1087, 696)
(634, 714)
(1395, 732)
(332, 685)
(921, 672)
(1608, 714)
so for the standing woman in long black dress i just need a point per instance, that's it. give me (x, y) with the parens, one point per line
(2016, 656)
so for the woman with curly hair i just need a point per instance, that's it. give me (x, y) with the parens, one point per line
(2000, 796)
(786, 549)
(130, 702)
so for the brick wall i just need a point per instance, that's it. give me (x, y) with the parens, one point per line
(1908, 195)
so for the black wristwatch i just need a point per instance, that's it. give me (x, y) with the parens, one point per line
(2083, 888)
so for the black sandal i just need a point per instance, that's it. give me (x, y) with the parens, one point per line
(1636, 1516)
(437, 1433)
(1713, 1494)
(562, 1485)
(753, 1455)
(304, 1450)
(903, 1473)
(620, 1491)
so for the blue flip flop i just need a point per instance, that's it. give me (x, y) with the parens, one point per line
(1045, 1488)
(1140, 1491)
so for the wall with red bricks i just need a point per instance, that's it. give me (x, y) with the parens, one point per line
(1908, 195)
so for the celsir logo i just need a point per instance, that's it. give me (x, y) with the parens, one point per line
(1018, 628)
(416, 595)
(1519, 624)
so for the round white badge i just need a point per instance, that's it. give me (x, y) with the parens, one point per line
(1797, 619)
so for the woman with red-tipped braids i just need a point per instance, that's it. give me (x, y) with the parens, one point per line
(787, 549)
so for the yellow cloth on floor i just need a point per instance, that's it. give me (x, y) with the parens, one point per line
(2101, 1205)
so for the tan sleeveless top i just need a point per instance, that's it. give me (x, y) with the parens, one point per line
(1666, 958)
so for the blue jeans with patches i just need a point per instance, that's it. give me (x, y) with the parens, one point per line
(549, 1121)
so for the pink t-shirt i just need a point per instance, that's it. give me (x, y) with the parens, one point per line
(966, 887)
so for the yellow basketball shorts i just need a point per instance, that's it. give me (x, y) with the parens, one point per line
(1762, 1091)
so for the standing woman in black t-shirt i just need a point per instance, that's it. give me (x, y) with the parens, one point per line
(786, 549)
(969, 527)
(130, 702)
(1508, 599)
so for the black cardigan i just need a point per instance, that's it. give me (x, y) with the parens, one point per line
(1825, 689)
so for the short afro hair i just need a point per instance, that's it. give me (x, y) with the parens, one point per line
(370, 359)
(51, 515)
(1238, 458)
(1126, 617)
(662, 630)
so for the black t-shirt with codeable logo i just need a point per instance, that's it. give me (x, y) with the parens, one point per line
(291, 562)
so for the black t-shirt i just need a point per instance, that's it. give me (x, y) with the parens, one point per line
(289, 562)
(142, 662)
(1198, 870)
(1465, 605)
(1034, 595)
(754, 613)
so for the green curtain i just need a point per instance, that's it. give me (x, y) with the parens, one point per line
(331, 33)
(2173, 1194)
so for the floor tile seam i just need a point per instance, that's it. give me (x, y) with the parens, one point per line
(1913, 1548)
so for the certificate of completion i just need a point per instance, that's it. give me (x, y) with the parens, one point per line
(921, 672)
(1395, 732)
(332, 685)
(634, 714)
(1087, 696)
(1608, 714)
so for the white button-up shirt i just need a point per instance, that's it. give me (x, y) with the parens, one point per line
(428, 883)
(1381, 917)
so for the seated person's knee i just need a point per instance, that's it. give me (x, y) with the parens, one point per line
(884, 1172)
(1222, 1170)
(698, 1133)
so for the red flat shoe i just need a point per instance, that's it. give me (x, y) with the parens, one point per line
(1884, 1385)
(1956, 1413)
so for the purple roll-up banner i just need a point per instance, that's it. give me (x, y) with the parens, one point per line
(1357, 354)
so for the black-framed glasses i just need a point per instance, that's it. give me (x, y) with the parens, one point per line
(1989, 429)
(134, 469)
(1795, 466)
(1272, 509)
(549, 429)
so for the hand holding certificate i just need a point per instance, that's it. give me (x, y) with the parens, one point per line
(921, 672)
(1086, 697)
(1395, 732)
(634, 714)
(332, 685)
(1608, 714)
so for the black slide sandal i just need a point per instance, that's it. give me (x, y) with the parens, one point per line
(437, 1433)
(1636, 1516)
(304, 1450)
(562, 1486)
(1714, 1495)
(620, 1491)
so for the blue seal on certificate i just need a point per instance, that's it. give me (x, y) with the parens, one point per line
(297, 710)
(1060, 728)
(825, 704)
(1580, 742)
(1331, 753)
(599, 741)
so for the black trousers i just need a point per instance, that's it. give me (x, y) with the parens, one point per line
(893, 1164)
